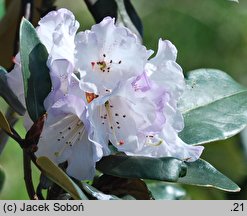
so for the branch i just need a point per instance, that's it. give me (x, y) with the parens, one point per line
(28, 176)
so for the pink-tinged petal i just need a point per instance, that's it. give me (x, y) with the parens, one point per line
(166, 72)
(108, 55)
(168, 144)
(151, 93)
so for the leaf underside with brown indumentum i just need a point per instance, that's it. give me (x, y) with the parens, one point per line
(33, 135)
(121, 187)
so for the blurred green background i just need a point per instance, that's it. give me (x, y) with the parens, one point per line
(207, 34)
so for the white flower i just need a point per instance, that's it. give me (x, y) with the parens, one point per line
(107, 55)
(140, 117)
(56, 31)
(65, 138)
(166, 74)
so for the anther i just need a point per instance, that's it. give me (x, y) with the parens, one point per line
(121, 142)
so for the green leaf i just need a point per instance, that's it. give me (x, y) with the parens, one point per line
(166, 191)
(37, 82)
(214, 107)
(60, 178)
(2, 178)
(95, 193)
(4, 123)
(8, 95)
(122, 187)
(164, 169)
(202, 173)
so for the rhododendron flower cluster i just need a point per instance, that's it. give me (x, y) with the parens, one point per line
(107, 90)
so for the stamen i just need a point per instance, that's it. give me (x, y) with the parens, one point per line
(76, 132)
(93, 63)
(150, 143)
(110, 121)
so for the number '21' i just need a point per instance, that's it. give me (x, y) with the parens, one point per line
(238, 207)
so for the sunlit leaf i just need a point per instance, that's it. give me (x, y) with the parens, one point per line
(2, 178)
(37, 82)
(166, 191)
(60, 178)
(214, 107)
(165, 169)
(4, 123)
(202, 173)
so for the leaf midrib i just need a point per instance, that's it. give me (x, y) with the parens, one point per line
(212, 102)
